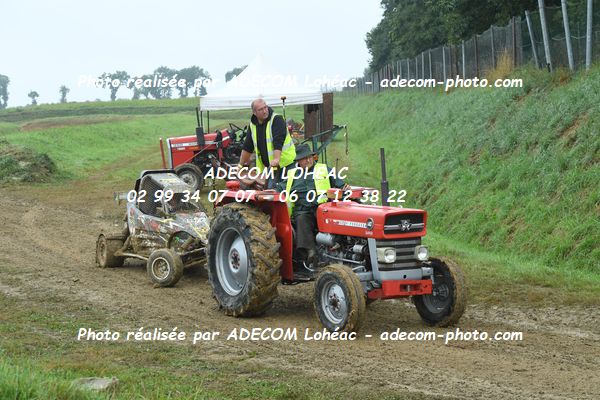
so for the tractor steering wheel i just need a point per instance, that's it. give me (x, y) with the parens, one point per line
(234, 129)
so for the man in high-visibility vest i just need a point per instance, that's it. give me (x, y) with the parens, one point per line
(269, 138)
(309, 181)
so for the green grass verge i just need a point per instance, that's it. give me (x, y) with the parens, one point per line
(41, 357)
(499, 277)
(23, 381)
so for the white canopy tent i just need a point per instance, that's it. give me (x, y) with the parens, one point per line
(260, 80)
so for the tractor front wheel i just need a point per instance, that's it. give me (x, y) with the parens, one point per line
(339, 299)
(447, 303)
(192, 175)
(243, 260)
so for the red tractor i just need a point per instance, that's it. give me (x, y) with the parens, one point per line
(193, 156)
(365, 253)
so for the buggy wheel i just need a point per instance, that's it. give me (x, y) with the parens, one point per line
(447, 303)
(243, 260)
(106, 246)
(164, 267)
(339, 299)
(192, 175)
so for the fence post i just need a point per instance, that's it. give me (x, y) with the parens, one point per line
(464, 69)
(545, 35)
(407, 68)
(476, 56)
(493, 49)
(453, 61)
(532, 39)
(417, 67)
(588, 41)
(567, 34)
(514, 40)
(444, 61)
(430, 67)
(423, 65)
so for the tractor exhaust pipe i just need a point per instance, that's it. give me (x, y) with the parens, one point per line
(384, 183)
(200, 129)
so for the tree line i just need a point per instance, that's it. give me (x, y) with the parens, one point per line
(187, 76)
(409, 27)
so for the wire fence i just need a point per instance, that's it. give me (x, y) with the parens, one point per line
(520, 42)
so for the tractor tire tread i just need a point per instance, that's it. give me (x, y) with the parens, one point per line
(355, 295)
(264, 277)
(458, 305)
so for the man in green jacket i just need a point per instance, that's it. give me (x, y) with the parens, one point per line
(310, 182)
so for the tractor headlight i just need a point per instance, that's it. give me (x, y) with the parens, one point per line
(386, 255)
(422, 253)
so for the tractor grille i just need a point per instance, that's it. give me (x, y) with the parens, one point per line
(405, 253)
(404, 223)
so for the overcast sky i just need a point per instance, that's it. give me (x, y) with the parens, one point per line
(48, 44)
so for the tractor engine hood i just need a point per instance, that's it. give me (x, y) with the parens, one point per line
(367, 221)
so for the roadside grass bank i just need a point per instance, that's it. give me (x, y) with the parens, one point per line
(79, 145)
(509, 170)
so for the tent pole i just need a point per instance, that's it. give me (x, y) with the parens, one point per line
(283, 100)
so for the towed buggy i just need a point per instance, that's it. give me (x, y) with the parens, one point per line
(165, 225)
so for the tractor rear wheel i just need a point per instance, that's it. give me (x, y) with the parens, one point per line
(164, 267)
(447, 303)
(192, 175)
(339, 299)
(106, 246)
(243, 260)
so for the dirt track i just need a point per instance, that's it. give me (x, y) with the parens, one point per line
(49, 238)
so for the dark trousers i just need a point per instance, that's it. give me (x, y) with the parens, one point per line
(305, 231)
